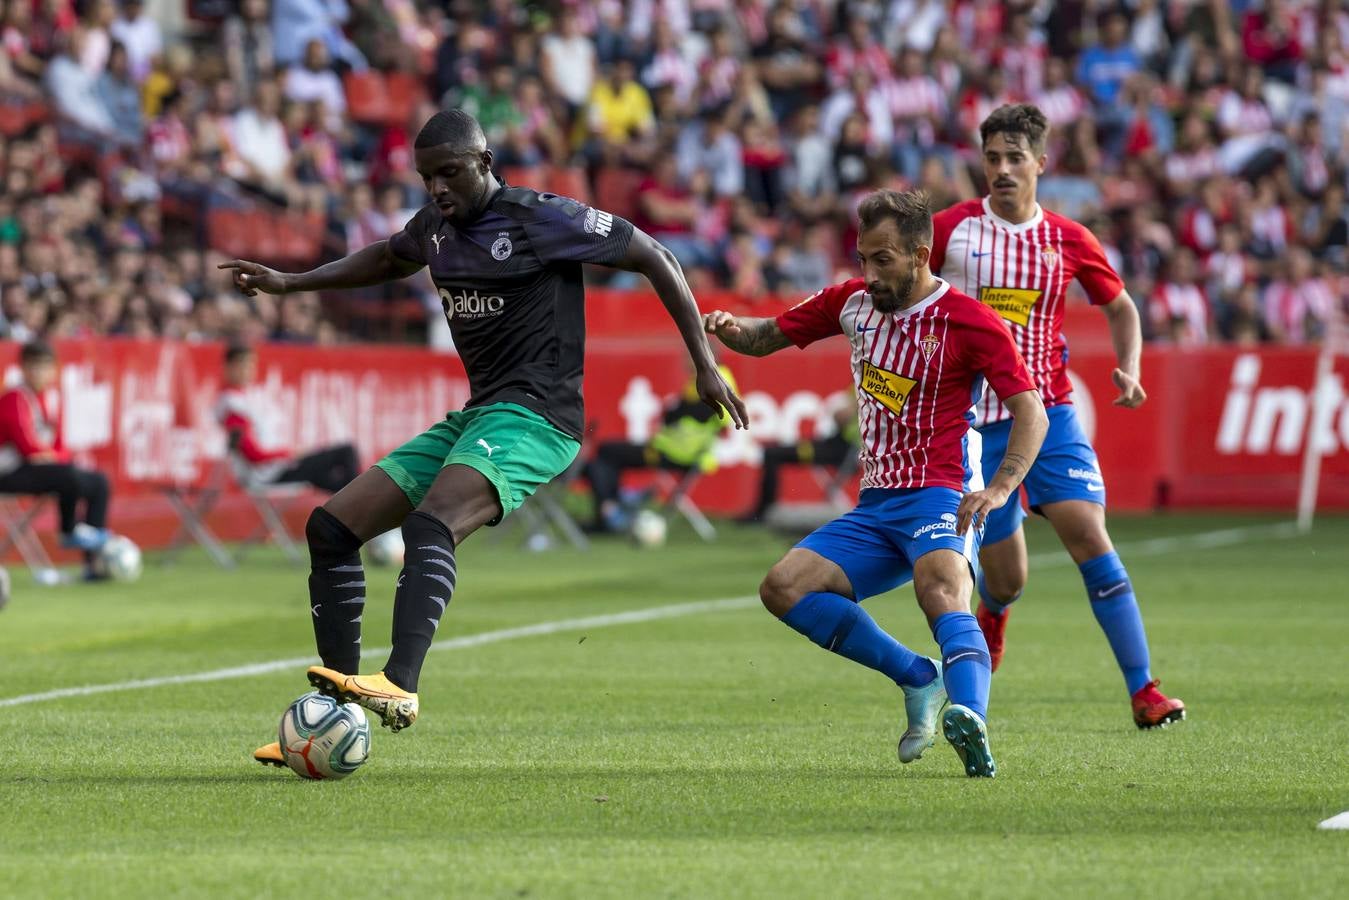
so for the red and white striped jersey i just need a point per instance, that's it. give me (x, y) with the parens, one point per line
(917, 373)
(1022, 272)
(1172, 303)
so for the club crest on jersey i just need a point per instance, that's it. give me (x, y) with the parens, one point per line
(1049, 255)
(502, 248)
(598, 222)
(889, 388)
(929, 343)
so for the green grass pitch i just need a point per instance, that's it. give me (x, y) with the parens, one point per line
(705, 755)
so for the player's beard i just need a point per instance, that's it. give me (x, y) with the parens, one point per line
(896, 296)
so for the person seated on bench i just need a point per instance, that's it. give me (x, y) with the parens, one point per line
(257, 465)
(833, 450)
(33, 460)
(685, 441)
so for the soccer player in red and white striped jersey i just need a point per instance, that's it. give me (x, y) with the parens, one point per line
(1019, 259)
(921, 354)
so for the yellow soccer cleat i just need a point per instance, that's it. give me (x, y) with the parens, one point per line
(396, 707)
(270, 755)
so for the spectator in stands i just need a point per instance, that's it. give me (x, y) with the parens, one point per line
(141, 36)
(1180, 311)
(255, 458)
(314, 80)
(74, 91)
(568, 62)
(34, 461)
(836, 450)
(296, 22)
(620, 116)
(671, 213)
(120, 96)
(685, 441)
(247, 39)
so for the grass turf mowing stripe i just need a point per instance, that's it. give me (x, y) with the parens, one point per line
(1153, 547)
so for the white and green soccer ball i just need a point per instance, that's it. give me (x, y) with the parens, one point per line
(121, 557)
(323, 739)
(649, 528)
(386, 550)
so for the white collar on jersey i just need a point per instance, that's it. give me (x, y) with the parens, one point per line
(942, 288)
(1015, 227)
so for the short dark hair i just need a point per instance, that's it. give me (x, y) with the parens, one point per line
(911, 211)
(36, 350)
(452, 126)
(1018, 118)
(236, 352)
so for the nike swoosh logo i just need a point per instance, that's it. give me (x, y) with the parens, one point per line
(1112, 590)
(862, 329)
(977, 255)
(1095, 487)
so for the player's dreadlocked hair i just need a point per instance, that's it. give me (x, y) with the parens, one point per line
(1019, 118)
(911, 211)
(451, 126)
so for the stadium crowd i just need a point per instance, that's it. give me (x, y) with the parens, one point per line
(1203, 141)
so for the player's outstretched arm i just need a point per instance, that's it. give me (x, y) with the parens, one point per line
(750, 336)
(1126, 333)
(375, 264)
(1029, 425)
(646, 256)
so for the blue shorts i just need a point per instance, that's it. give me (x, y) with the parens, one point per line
(1066, 469)
(878, 543)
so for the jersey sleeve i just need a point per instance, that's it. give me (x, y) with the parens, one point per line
(410, 243)
(817, 316)
(566, 230)
(1094, 271)
(992, 352)
(943, 223)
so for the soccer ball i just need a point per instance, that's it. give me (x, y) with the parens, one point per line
(648, 528)
(386, 549)
(121, 557)
(321, 738)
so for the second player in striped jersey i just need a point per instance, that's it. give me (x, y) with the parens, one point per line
(921, 353)
(1019, 260)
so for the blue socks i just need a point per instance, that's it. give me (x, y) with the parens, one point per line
(1113, 603)
(993, 606)
(966, 667)
(841, 626)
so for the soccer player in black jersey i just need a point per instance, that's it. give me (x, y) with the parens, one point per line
(507, 263)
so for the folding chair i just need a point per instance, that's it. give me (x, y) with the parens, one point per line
(677, 491)
(192, 503)
(18, 524)
(833, 480)
(270, 500)
(544, 518)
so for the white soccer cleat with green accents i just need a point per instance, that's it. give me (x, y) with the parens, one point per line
(922, 705)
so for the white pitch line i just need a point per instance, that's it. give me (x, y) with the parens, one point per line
(1152, 547)
(459, 643)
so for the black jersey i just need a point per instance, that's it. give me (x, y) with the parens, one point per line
(511, 286)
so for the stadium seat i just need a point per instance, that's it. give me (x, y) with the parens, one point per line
(524, 176)
(367, 96)
(17, 512)
(404, 92)
(616, 191)
(569, 181)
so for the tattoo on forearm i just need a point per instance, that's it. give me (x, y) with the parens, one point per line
(757, 337)
(1013, 466)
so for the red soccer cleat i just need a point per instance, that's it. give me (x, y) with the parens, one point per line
(994, 628)
(1153, 709)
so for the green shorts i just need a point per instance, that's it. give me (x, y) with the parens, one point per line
(516, 449)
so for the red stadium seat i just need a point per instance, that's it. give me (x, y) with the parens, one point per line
(367, 97)
(616, 191)
(568, 181)
(405, 91)
(524, 176)
(228, 231)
